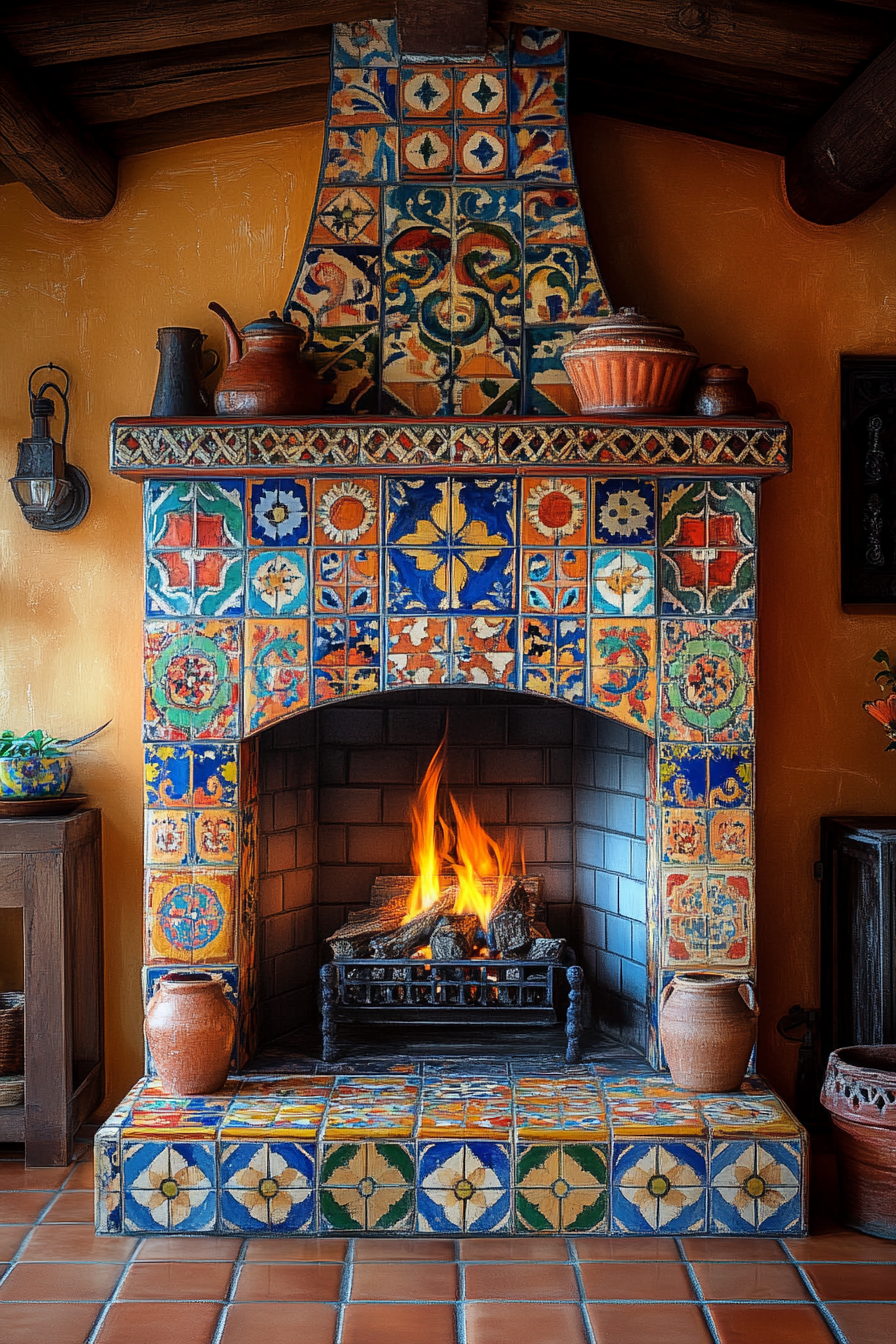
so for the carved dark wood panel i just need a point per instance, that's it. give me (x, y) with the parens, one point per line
(868, 481)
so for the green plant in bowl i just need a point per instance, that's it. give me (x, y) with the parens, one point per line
(37, 765)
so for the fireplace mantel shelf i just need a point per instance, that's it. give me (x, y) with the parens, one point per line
(145, 447)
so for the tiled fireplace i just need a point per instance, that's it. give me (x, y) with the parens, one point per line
(574, 597)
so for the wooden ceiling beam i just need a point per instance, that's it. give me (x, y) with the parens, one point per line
(53, 32)
(826, 41)
(143, 85)
(47, 149)
(847, 160)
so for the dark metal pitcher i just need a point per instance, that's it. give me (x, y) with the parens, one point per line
(183, 366)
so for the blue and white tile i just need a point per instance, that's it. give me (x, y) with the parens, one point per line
(169, 1187)
(756, 1187)
(267, 1187)
(659, 1188)
(463, 1187)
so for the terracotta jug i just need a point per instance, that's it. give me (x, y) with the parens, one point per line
(708, 1030)
(264, 374)
(190, 1027)
(722, 389)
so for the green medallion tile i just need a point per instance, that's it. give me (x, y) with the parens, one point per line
(367, 1187)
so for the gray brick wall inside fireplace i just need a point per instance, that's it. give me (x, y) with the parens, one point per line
(335, 787)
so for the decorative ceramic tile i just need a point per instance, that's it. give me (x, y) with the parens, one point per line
(562, 284)
(554, 511)
(346, 657)
(554, 653)
(470, 1107)
(277, 670)
(538, 46)
(659, 1188)
(413, 446)
(347, 215)
(483, 650)
(732, 1115)
(755, 1187)
(622, 582)
(731, 836)
(367, 1187)
(326, 446)
(214, 774)
(540, 154)
(215, 834)
(367, 95)
(684, 835)
(463, 1188)
(339, 287)
(169, 1187)
(167, 838)
(278, 583)
(538, 95)
(623, 677)
(481, 151)
(623, 512)
(373, 42)
(427, 93)
(730, 776)
(561, 1188)
(267, 1187)
(707, 684)
(190, 916)
(716, 514)
(683, 775)
(346, 581)
(653, 1111)
(205, 515)
(707, 917)
(362, 154)
(417, 653)
(474, 444)
(278, 513)
(554, 581)
(708, 579)
(559, 1107)
(107, 1168)
(192, 673)
(382, 1104)
(554, 215)
(427, 150)
(480, 94)
(346, 512)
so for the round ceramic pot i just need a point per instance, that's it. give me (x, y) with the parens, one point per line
(860, 1093)
(708, 1030)
(34, 776)
(628, 364)
(721, 389)
(190, 1027)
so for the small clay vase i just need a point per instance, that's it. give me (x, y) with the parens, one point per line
(190, 1026)
(708, 1030)
(721, 389)
(860, 1093)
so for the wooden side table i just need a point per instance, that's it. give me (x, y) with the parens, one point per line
(51, 868)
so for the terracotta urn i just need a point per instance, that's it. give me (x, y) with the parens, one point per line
(628, 364)
(722, 389)
(708, 1030)
(264, 374)
(190, 1027)
(860, 1093)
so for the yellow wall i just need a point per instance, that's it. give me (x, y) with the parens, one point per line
(693, 232)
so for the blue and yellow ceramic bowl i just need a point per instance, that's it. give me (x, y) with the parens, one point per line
(34, 776)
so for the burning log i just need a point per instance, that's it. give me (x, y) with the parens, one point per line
(416, 933)
(453, 937)
(509, 926)
(546, 949)
(353, 938)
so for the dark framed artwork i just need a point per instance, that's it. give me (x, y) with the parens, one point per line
(868, 481)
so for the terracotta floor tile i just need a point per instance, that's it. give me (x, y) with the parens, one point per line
(865, 1322)
(626, 1248)
(416, 1281)
(732, 1248)
(280, 1323)
(81, 1177)
(75, 1241)
(46, 1322)
(753, 1282)
(852, 1282)
(273, 1250)
(374, 1323)
(513, 1248)
(532, 1322)
(289, 1283)
(71, 1207)
(159, 1323)
(24, 1208)
(655, 1323)
(190, 1248)
(59, 1283)
(522, 1283)
(11, 1237)
(645, 1282)
(173, 1281)
(770, 1325)
(390, 1248)
(841, 1244)
(16, 1176)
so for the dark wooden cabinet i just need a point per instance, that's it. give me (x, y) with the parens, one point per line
(858, 932)
(51, 868)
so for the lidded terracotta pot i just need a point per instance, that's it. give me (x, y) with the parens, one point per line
(708, 1030)
(190, 1027)
(628, 363)
(860, 1093)
(722, 389)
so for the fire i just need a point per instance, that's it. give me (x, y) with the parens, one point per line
(465, 852)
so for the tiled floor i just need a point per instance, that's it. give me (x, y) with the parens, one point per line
(59, 1284)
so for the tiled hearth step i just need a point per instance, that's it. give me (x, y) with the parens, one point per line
(420, 1149)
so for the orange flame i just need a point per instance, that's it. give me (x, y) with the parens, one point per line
(431, 839)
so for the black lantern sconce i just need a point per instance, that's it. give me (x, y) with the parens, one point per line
(52, 494)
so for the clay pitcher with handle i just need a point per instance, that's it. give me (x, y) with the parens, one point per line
(190, 1028)
(264, 374)
(708, 1030)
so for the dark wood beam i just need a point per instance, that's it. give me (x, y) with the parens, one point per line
(47, 149)
(141, 86)
(51, 32)
(212, 121)
(847, 160)
(442, 27)
(827, 41)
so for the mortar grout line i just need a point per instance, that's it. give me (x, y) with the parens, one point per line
(345, 1288)
(814, 1297)
(573, 1257)
(460, 1300)
(104, 1309)
(698, 1292)
(231, 1289)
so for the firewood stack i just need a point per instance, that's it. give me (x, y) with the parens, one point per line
(516, 929)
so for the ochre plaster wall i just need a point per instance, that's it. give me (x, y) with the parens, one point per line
(693, 232)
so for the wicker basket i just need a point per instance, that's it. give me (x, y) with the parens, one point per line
(12, 1090)
(12, 1033)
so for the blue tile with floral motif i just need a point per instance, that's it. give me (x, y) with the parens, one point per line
(267, 1187)
(169, 1187)
(756, 1187)
(278, 513)
(463, 1187)
(623, 511)
(659, 1188)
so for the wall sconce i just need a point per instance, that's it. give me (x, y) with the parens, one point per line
(52, 494)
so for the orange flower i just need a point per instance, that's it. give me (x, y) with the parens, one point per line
(885, 712)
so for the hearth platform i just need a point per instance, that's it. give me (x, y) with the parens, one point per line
(433, 1139)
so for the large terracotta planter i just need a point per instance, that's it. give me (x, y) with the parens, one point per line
(860, 1093)
(708, 1030)
(190, 1026)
